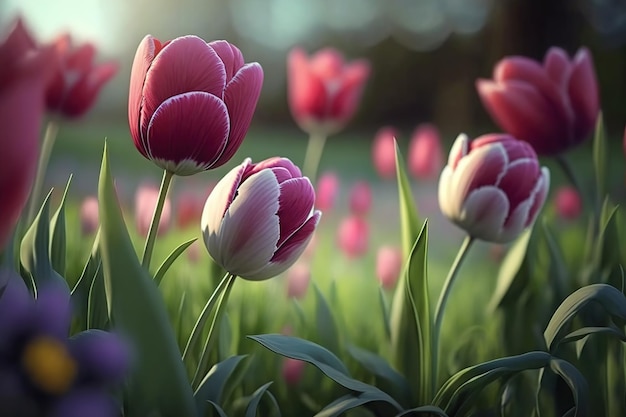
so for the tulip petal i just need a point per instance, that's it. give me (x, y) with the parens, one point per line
(345, 101)
(327, 63)
(583, 92)
(291, 249)
(444, 193)
(250, 229)
(295, 203)
(283, 168)
(188, 132)
(230, 55)
(484, 212)
(241, 96)
(147, 50)
(538, 196)
(81, 59)
(85, 91)
(307, 93)
(557, 66)
(459, 149)
(184, 65)
(519, 180)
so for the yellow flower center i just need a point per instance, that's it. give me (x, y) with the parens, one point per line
(49, 365)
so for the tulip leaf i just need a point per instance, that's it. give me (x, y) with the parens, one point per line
(326, 326)
(217, 408)
(159, 382)
(600, 160)
(411, 325)
(255, 400)
(613, 301)
(322, 359)
(97, 311)
(160, 273)
(346, 403)
(576, 382)
(558, 272)
(409, 220)
(211, 389)
(384, 308)
(57, 232)
(583, 332)
(80, 292)
(425, 409)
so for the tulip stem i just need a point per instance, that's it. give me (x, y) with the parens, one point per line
(313, 155)
(210, 340)
(156, 218)
(569, 173)
(42, 165)
(443, 299)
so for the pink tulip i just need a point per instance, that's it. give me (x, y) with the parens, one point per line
(425, 153)
(388, 266)
(298, 278)
(327, 190)
(77, 80)
(191, 102)
(324, 90)
(553, 106)
(360, 198)
(24, 72)
(568, 203)
(189, 207)
(493, 187)
(89, 215)
(384, 152)
(145, 201)
(353, 236)
(292, 371)
(259, 218)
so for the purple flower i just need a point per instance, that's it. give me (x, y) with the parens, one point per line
(42, 371)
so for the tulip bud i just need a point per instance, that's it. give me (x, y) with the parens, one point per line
(551, 105)
(384, 152)
(146, 199)
(324, 90)
(259, 218)
(189, 207)
(298, 278)
(191, 102)
(568, 203)
(493, 187)
(353, 236)
(292, 370)
(89, 215)
(327, 190)
(360, 198)
(425, 153)
(388, 266)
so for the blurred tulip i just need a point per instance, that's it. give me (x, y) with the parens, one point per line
(259, 218)
(89, 216)
(145, 201)
(191, 102)
(568, 203)
(292, 371)
(384, 152)
(193, 252)
(553, 106)
(425, 153)
(353, 236)
(324, 90)
(189, 207)
(77, 80)
(298, 278)
(388, 266)
(493, 187)
(360, 198)
(327, 190)
(24, 72)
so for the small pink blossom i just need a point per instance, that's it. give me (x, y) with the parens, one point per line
(298, 278)
(189, 205)
(89, 215)
(360, 198)
(384, 152)
(292, 371)
(568, 203)
(388, 266)
(146, 199)
(327, 191)
(425, 152)
(353, 236)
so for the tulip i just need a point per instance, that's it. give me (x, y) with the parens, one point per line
(24, 72)
(353, 236)
(568, 203)
(145, 202)
(388, 266)
(425, 152)
(259, 218)
(324, 90)
(292, 370)
(191, 102)
(360, 198)
(493, 187)
(298, 278)
(553, 106)
(327, 190)
(77, 81)
(89, 215)
(384, 152)
(189, 207)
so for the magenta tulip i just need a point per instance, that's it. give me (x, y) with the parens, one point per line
(191, 102)
(360, 198)
(327, 190)
(189, 205)
(384, 152)
(568, 203)
(551, 105)
(353, 237)
(77, 81)
(259, 218)
(425, 153)
(89, 215)
(388, 266)
(324, 90)
(24, 72)
(146, 199)
(292, 371)
(493, 187)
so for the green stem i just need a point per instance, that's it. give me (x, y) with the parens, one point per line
(571, 176)
(314, 151)
(156, 218)
(210, 341)
(443, 299)
(42, 165)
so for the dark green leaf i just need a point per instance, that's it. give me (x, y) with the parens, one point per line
(426, 409)
(97, 309)
(57, 231)
(80, 292)
(211, 388)
(160, 273)
(600, 158)
(347, 402)
(409, 220)
(326, 327)
(255, 399)
(217, 408)
(576, 382)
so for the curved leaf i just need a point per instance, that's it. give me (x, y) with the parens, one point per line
(211, 389)
(576, 382)
(57, 232)
(425, 409)
(217, 408)
(347, 402)
(255, 399)
(160, 273)
(326, 326)
(409, 220)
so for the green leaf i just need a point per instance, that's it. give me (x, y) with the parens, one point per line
(576, 382)
(425, 409)
(347, 402)
(57, 231)
(255, 399)
(217, 408)
(321, 358)
(600, 158)
(384, 308)
(159, 382)
(558, 272)
(583, 332)
(160, 273)
(411, 327)
(409, 220)
(80, 292)
(225, 339)
(211, 389)
(97, 311)
(326, 326)
(605, 295)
